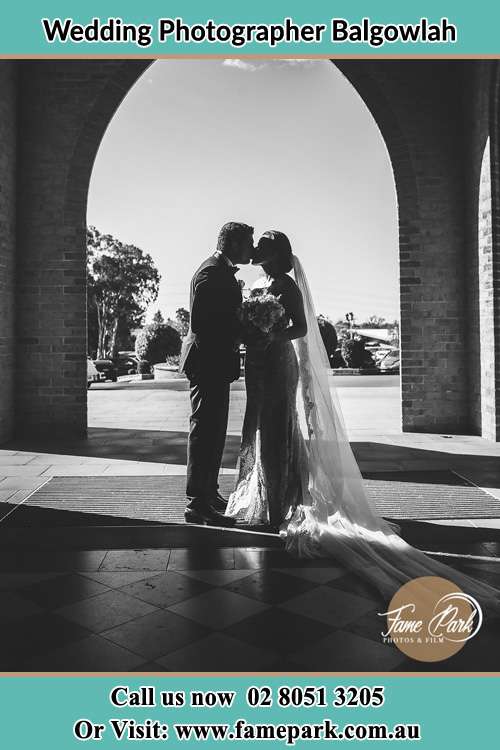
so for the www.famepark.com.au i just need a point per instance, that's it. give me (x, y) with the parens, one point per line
(241, 730)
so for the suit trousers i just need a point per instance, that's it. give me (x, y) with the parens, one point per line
(207, 437)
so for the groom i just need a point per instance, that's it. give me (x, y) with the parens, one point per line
(211, 361)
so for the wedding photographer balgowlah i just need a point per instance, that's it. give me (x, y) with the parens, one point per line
(176, 31)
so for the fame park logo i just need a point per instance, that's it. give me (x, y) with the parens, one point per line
(430, 619)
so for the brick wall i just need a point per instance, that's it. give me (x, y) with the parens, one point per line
(65, 107)
(476, 128)
(7, 244)
(418, 107)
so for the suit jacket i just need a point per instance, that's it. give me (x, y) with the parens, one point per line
(210, 350)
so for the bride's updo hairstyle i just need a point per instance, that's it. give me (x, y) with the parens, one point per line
(274, 252)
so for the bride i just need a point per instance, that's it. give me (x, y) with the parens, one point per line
(297, 472)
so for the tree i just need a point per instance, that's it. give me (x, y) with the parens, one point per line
(342, 329)
(395, 333)
(158, 317)
(131, 316)
(156, 342)
(122, 282)
(375, 321)
(329, 335)
(182, 319)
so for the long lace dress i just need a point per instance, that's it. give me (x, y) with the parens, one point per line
(272, 447)
(298, 472)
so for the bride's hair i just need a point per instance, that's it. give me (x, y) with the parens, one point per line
(274, 250)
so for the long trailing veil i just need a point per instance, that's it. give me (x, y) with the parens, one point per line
(336, 518)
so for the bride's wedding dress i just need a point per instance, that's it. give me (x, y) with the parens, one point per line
(297, 469)
(272, 453)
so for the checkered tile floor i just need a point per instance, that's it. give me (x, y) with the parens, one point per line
(201, 610)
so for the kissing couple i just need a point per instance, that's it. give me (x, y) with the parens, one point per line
(297, 473)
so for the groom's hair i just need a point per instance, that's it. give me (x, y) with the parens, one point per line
(233, 230)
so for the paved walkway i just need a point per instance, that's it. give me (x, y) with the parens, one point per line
(140, 427)
(147, 607)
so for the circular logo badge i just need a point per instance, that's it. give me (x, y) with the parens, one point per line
(430, 619)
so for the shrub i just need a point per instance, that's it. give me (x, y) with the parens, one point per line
(329, 336)
(156, 342)
(173, 360)
(337, 359)
(143, 367)
(355, 354)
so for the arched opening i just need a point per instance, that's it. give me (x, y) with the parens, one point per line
(419, 127)
(278, 144)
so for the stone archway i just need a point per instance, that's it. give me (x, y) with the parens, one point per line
(63, 108)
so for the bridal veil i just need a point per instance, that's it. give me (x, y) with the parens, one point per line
(336, 518)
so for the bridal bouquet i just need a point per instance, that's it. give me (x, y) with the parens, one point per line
(262, 311)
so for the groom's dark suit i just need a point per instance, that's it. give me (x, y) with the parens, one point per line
(210, 359)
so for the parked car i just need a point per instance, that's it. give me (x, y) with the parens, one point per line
(380, 352)
(126, 363)
(93, 374)
(390, 363)
(107, 368)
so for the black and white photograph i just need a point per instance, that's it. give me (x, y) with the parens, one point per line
(249, 365)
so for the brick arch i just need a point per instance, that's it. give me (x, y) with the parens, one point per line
(120, 79)
(369, 87)
(64, 109)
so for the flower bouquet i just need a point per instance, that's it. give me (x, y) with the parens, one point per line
(263, 312)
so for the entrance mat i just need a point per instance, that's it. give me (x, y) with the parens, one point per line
(146, 500)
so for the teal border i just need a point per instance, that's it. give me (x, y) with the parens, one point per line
(478, 25)
(455, 713)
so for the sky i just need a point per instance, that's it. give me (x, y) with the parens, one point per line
(277, 144)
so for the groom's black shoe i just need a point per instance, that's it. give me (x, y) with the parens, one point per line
(207, 516)
(218, 503)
